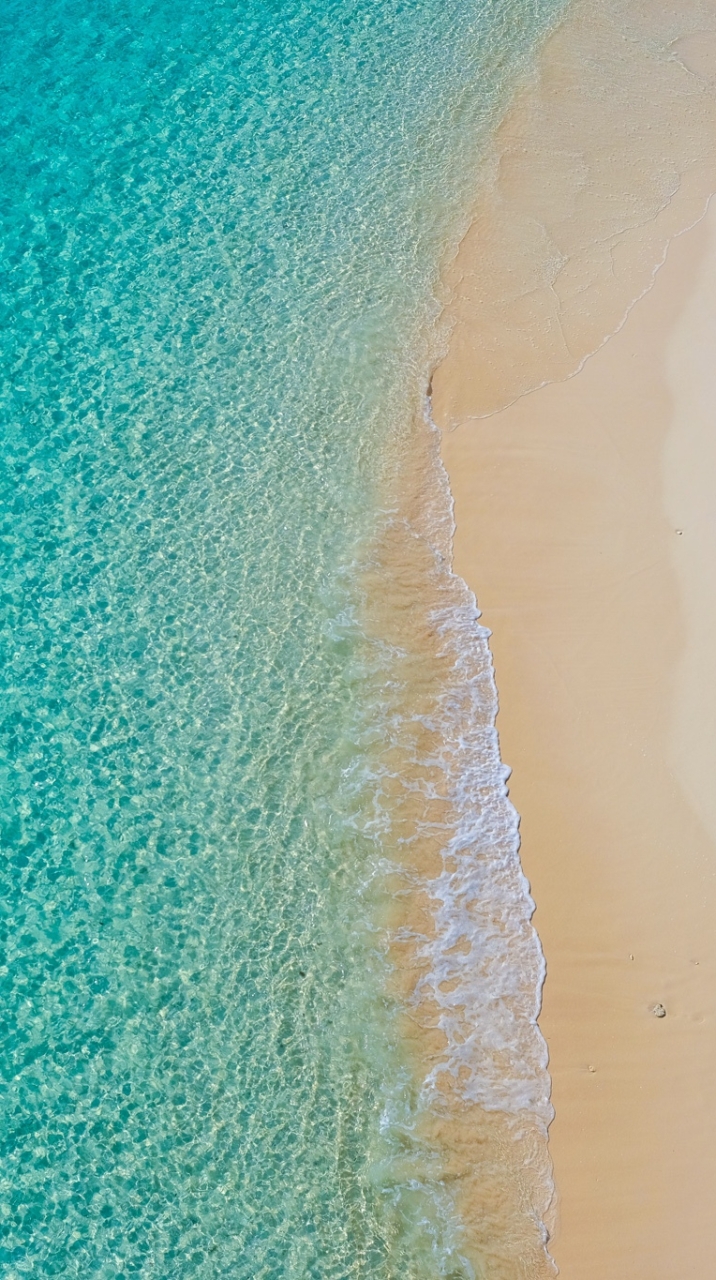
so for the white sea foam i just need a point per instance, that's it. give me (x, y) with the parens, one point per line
(486, 965)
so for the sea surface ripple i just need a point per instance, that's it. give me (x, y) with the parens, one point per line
(221, 225)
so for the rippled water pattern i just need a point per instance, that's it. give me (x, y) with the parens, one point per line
(221, 224)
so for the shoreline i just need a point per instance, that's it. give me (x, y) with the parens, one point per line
(583, 525)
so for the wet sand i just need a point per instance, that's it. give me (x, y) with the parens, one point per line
(586, 524)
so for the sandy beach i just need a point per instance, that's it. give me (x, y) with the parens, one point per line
(586, 525)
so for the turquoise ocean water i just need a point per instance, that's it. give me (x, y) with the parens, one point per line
(221, 230)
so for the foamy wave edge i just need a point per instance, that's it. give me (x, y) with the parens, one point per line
(486, 967)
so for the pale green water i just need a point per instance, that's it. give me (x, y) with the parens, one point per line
(221, 226)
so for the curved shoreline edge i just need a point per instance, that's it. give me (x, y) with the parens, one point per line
(467, 963)
(582, 524)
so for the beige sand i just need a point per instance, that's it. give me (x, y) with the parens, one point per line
(608, 151)
(586, 523)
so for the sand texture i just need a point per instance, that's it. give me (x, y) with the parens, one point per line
(607, 152)
(586, 524)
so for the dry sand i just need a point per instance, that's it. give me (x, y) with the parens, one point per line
(586, 524)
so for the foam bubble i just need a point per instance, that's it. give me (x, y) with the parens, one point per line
(468, 960)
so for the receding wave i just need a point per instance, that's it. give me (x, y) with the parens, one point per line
(468, 967)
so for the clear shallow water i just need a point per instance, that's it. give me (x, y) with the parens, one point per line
(221, 226)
